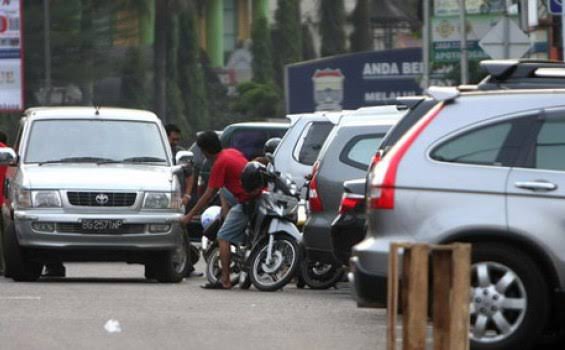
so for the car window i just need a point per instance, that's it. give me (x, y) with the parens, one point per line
(311, 141)
(496, 144)
(250, 142)
(359, 150)
(550, 146)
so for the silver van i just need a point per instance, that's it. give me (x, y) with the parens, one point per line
(485, 167)
(92, 184)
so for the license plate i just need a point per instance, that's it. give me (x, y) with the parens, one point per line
(101, 225)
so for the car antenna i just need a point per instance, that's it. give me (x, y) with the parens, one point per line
(97, 110)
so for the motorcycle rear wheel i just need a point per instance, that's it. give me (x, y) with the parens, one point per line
(283, 265)
(319, 275)
(214, 268)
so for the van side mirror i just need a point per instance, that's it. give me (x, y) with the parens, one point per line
(8, 156)
(184, 158)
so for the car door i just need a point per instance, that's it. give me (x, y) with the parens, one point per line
(536, 186)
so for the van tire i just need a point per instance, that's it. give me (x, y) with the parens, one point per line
(18, 267)
(501, 259)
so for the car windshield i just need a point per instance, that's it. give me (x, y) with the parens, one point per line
(97, 141)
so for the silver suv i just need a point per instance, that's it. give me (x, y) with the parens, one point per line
(92, 184)
(486, 168)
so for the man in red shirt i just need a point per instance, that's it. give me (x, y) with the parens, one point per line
(225, 173)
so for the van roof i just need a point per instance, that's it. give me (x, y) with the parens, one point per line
(90, 113)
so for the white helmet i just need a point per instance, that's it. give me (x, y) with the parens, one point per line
(210, 215)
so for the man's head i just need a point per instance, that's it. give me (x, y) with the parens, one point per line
(3, 138)
(209, 143)
(173, 134)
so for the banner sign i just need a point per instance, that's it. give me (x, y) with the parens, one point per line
(11, 56)
(352, 81)
(446, 40)
(473, 7)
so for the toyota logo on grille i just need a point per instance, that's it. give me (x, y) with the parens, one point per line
(102, 198)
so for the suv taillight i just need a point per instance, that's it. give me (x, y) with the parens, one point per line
(314, 201)
(349, 201)
(383, 179)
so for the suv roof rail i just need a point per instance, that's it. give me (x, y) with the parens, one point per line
(443, 93)
(523, 73)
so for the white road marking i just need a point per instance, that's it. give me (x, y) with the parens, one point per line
(21, 298)
(113, 326)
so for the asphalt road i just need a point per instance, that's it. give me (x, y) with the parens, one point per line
(111, 306)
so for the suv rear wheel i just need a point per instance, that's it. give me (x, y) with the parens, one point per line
(18, 267)
(509, 298)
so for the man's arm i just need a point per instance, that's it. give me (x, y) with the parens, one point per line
(202, 202)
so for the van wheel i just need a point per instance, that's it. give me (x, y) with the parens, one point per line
(509, 298)
(170, 266)
(18, 267)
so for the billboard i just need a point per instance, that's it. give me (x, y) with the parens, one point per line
(472, 7)
(11, 56)
(352, 81)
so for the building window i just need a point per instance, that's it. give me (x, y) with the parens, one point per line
(230, 25)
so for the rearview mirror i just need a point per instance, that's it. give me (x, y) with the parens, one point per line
(184, 158)
(8, 156)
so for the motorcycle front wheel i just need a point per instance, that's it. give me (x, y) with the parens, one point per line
(272, 275)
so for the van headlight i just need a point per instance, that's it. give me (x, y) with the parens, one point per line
(26, 199)
(162, 200)
(46, 199)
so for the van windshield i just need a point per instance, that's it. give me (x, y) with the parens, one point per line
(99, 141)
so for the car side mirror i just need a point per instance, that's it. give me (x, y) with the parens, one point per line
(8, 156)
(184, 158)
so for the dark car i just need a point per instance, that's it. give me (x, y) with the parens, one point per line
(348, 227)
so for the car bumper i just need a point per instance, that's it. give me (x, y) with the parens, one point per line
(317, 234)
(369, 266)
(137, 233)
(346, 231)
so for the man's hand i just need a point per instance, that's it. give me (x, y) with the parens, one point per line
(185, 199)
(185, 219)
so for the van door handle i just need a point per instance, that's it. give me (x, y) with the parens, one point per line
(538, 186)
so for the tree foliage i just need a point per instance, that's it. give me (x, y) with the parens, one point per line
(191, 76)
(332, 24)
(133, 88)
(257, 100)
(262, 65)
(361, 39)
(288, 36)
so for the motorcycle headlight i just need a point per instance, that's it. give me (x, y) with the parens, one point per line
(162, 200)
(46, 199)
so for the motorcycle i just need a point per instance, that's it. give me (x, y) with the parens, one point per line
(270, 255)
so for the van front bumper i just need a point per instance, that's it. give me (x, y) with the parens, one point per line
(146, 231)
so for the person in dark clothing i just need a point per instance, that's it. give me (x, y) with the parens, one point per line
(185, 179)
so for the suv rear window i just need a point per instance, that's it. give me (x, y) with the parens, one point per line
(252, 142)
(311, 141)
(360, 149)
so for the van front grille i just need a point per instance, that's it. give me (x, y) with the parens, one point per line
(101, 199)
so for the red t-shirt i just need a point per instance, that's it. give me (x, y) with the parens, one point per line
(226, 172)
(3, 169)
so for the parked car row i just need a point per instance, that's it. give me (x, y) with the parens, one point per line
(480, 164)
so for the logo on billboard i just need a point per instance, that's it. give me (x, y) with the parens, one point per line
(328, 89)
